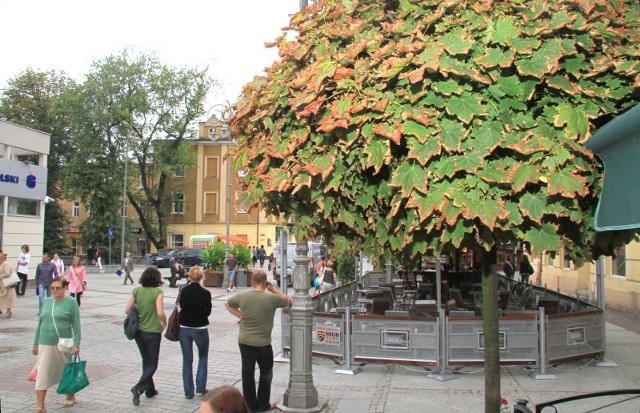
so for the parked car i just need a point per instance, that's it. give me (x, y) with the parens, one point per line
(189, 257)
(65, 256)
(162, 260)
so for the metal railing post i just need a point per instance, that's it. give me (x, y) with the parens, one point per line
(542, 361)
(349, 369)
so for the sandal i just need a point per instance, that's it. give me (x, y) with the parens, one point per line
(41, 410)
(69, 402)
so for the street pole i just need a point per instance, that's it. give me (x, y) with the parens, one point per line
(227, 218)
(301, 395)
(124, 199)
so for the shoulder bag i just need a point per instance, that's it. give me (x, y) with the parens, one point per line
(131, 320)
(74, 376)
(173, 325)
(64, 344)
(11, 280)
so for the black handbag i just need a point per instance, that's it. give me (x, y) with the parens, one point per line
(131, 321)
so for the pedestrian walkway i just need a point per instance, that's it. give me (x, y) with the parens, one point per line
(114, 365)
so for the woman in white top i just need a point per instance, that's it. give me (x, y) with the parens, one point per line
(59, 264)
(22, 270)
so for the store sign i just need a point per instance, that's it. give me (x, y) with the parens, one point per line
(327, 335)
(502, 339)
(394, 339)
(20, 180)
(71, 230)
(576, 336)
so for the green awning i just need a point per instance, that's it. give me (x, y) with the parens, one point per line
(617, 144)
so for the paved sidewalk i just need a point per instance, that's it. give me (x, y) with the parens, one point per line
(114, 366)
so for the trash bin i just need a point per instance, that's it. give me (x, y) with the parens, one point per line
(241, 278)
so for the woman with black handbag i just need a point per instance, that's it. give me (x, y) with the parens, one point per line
(195, 308)
(149, 301)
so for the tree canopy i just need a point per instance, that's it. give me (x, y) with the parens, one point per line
(442, 123)
(131, 106)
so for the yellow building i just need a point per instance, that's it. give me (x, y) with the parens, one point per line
(203, 199)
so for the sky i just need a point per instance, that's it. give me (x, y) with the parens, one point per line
(228, 36)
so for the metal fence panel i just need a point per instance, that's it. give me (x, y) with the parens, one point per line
(518, 340)
(575, 335)
(411, 341)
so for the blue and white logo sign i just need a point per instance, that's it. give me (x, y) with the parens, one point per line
(19, 180)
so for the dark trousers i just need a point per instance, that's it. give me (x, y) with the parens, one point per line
(77, 297)
(21, 287)
(251, 355)
(149, 346)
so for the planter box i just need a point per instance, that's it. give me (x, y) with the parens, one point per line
(213, 278)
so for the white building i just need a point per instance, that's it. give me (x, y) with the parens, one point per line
(23, 189)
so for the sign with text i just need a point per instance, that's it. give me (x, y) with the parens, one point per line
(21, 180)
(394, 339)
(502, 339)
(327, 335)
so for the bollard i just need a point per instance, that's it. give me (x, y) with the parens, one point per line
(349, 370)
(542, 374)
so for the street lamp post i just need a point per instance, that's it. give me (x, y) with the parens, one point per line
(124, 199)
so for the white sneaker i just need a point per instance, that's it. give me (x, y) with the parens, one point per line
(233, 288)
(227, 289)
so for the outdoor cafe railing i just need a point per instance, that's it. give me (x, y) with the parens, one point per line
(415, 339)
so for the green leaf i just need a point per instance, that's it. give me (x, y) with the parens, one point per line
(575, 119)
(456, 42)
(465, 107)
(545, 238)
(343, 106)
(511, 85)
(535, 66)
(524, 174)
(408, 176)
(487, 137)
(451, 135)
(423, 152)
(505, 30)
(378, 154)
(485, 209)
(515, 217)
(495, 57)
(566, 184)
(470, 162)
(425, 205)
(416, 129)
(447, 88)
(533, 205)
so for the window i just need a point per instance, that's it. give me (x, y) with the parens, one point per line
(75, 209)
(19, 206)
(550, 258)
(567, 260)
(178, 172)
(177, 240)
(620, 262)
(210, 202)
(211, 164)
(177, 203)
(31, 159)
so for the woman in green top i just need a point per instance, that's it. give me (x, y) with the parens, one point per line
(148, 298)
(59, 317)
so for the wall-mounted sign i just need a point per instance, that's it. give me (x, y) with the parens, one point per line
(502, 339)
(21, 180)
(327, 335)
(576, 336)
(394, 339)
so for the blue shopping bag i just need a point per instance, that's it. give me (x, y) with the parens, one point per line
(119, 272)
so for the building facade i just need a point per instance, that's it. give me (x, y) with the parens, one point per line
(203, 199)
(23, 190)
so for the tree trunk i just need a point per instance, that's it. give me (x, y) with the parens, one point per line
(490, 326)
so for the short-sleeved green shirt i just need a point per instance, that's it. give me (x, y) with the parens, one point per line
(258, 309)
(146, 302)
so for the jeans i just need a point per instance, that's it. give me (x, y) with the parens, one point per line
(264, 357)
(21, 287)
(232, 277)
(188, 336)
(43, 292)
(149, 346)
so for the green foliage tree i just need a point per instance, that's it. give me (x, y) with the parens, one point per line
(137, 107)
(428, 125)
(345, 268)
(213, 256)
(242, 254)
(30, 100)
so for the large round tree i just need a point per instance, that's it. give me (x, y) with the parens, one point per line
(418, 125)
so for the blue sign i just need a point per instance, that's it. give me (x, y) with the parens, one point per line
(110, 232)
